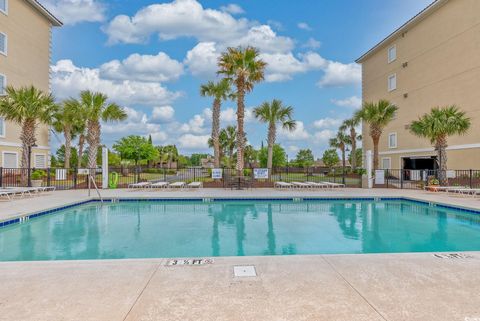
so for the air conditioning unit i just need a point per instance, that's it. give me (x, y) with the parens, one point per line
(405, 64)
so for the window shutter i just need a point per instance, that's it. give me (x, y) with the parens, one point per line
(40, 161)
(3, 43)
(2, 85)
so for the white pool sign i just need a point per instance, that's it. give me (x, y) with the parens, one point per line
(217, 173)
(379, 177)
(260, 173)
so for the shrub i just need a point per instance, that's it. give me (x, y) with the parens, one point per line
(38, 174)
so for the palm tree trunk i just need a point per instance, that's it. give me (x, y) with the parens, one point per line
(442, 158)
(67, 133)
(216, 132)
(271, 142)
(93, 139)
(81, 144)
(27, 137)
(353, 137)
(375, 133)
(240, 121)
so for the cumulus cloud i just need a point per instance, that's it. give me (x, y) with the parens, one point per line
(195, 125)
(312, 43)
(323, 136)
(281, 67)
(137, 123)
(68, 80)
(71, 12)
(352, 102)
(189, 141)
(232, 8)
(338, 74)
(158, 68)
(163, 114)
(327, 123)
(299, 133)
(304, 26)
(202, 59)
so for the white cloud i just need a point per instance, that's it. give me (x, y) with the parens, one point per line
(304, 26)
(327, 123)
(299, 133)
(189, 141)
(339, 74)
(312, 43)
(232, 8)
(293, 148)
(194, 125)
(137, 123)
(323, 136)
(281, 67)
(353, 102)
(71, 12)
(158, 68)
(202, 59)
(163, 114)
(68, 80)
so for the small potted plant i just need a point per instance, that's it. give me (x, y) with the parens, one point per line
(433, 184)
(37, 178)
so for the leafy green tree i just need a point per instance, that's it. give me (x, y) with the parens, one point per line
(279, 156)
(195, 159)
(168, 154)
(28, 107)
(437, 126)
(330, 158)
(358, 157)
(250, 155)
(97, 109)
(304, 158)
(243, 68)
(377, 115)
(350, 125)
(220, 91)
(135, 148)
(340, 141)
(60, 157)
(271, 114)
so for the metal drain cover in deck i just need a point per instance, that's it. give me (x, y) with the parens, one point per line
(244, 271)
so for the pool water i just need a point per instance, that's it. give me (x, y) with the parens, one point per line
(152, 229)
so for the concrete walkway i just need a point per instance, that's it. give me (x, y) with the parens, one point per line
(319, 287)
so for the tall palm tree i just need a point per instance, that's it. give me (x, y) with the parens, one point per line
(220, 91)
(340, 141)
(28, 107)
(242, 67)
(97, 109)
(228, 140)
(68, 122)
(273, 113)
(377, 116)
(437, 126)
(350, 125)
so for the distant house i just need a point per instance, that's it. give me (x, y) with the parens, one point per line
(25, 48)
(207, 162)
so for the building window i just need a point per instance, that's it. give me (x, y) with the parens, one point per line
(4, 6)
(392, 82)
(392, 53)
(386, 163)
(3, 85)
(2, 127)
(3, 43)
(10, 160)
(40, 161)
(392, 140)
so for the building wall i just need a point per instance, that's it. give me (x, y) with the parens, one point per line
(443, 56)
(27, 63)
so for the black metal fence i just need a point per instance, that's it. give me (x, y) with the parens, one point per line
(418, 179)
(122, 176)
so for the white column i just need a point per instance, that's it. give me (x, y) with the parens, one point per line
(104, 167)
(369, 167)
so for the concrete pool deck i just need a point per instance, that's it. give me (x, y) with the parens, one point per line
(409, 286)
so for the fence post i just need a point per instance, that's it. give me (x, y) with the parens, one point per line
(401, 179)
(334, 175)
(1, 176)
(471, 178)
(164, 175)
(194, 174)
(48, 177)
(75, 172)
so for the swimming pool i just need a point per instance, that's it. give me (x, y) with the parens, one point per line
(195, 228)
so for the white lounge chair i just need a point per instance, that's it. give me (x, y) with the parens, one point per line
(283, 185)
(158, 185)
(301, 185)
(318, 185)
(177, 185)
(468, 191)
(333, 185)
(139, 185)
(195, 185)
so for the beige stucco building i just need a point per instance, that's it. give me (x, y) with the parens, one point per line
(25, 45)
(432, 60)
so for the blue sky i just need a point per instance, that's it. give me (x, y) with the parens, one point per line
(152, 56)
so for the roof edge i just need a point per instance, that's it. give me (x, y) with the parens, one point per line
(432, 7)
(53, 20)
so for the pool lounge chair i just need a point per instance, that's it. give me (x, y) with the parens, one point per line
(158, 185)
(139, 185)
(195, 185)
(283, 185)
(177, 185)
(333, 185)
(468, 191)
(301, 185)
(318, 185)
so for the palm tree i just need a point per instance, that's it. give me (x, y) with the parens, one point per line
(27, 106)
(219, 91)
(228, 140)
(340, 141)
(97, 109)
(68, 122)
(377, 116)
(273, 113)
(437, 126)
(242, 67)
(350, 124)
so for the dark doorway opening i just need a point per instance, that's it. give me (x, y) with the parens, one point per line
(415, 168)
